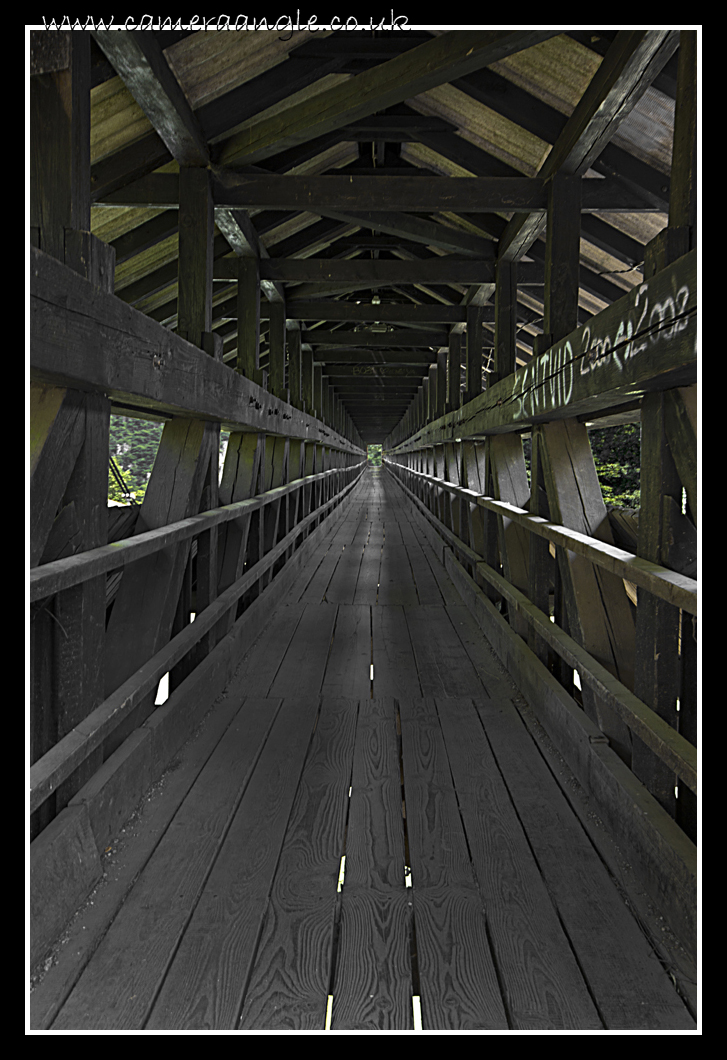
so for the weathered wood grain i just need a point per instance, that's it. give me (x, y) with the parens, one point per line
(372, 988)
(204, 986)
(541, 980)
(118, 986)
(458, 982)
(290, 979)
(348, 670)
(644, 341)
(627, 982)
(83, 337)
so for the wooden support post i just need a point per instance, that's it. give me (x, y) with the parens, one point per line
(317, 410)
(454, 370)
(599, 616)
(432, 393)
(473, 358)
(295, 368)
(510, 481)
(276, 362)
(683, 191)
(60, 147)
(441, 384)
(541, 562)
(196, 236)
(240, 479)
(307, 381)
(69, 429)
(562, 257)
(146, 600)
(657, 677)
(276, 474)
(248, 319)
(196, 232)
(505, 320)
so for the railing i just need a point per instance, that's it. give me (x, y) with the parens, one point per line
(324, 491)
(427, 493)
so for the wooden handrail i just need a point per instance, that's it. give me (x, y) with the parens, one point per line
(75, 747)
(60, 574)
(673, 749)
(667, 584)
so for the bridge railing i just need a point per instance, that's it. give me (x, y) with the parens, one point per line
(309, 500)
(429, 493)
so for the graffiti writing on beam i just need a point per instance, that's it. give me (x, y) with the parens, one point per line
(547, 382)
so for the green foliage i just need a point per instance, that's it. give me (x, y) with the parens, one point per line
(133, 444)
(375, 455)
(617, 456)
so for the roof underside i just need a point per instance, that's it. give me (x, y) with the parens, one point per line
(501, 120)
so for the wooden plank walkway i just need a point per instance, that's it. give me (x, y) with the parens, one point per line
(370, 722)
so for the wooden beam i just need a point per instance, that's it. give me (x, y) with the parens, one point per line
(505, 321)
(139, 61)
(295, 367)
(248, 319)
(562, 261)
(416, 229)
(646, 341)
(83, 337)
(276, 356)
(431, 64)
(630, 66)
(240, 233)
(196, 234)
(351, 355)
(657, 664)
(374, 273)
(473, 354)
(374, 340)
(363, 313)
(60, 148)
(323, 194)
(683, 197)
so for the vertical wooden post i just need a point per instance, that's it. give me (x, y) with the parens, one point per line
(276, 380)
(683, 191)
(510, 482)
(295, 367)
(656, 679)
(248, 319)
(540, 559)
(473, 357)
(307, 381)
(240, 480)
(505, 320)
(196, 231)
(454, 370)
(441, 384)
(665, 645)
(318, 391)
(70, 429)
(432, 393)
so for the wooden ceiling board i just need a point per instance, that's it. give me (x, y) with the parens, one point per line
(116, 119)
(211, 63)
(648, 131)
(556, 71)
(484, 128)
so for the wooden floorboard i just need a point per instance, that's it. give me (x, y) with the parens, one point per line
(372, 989)
(470, 886)
(290, 979)
(118, 987)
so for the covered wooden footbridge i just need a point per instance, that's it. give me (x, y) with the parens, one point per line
(428, 757)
